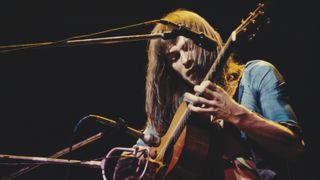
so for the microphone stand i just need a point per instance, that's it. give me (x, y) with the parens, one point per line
(56, 155)
(90, 41)
(92, 164)
(200, 39)
(119, 124)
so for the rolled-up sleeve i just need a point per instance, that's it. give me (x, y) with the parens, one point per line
(265, 85)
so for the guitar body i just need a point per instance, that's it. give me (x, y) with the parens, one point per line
(190, 161)
(186, 155)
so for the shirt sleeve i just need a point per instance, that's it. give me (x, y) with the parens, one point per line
(273, 99)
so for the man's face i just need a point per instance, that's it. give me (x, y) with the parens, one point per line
(181, 58)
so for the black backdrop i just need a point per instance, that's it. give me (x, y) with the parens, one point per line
(45, 92)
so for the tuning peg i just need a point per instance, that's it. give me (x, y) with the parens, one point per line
(258, 28)
(251, 37)
(268, 20)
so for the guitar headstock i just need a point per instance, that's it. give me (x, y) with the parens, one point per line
(252, 24)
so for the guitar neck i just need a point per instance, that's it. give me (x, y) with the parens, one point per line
(221, 60)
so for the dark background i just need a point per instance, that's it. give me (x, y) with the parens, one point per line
(45, 92)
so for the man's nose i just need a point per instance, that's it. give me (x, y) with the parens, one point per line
(186, 59)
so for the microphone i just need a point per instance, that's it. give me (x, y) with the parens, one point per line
(200, 39)
(120, 124)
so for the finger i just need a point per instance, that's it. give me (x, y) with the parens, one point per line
(207, 110)
(205, 83)
(203, 91)
(213, 86)
(207, 93)
(208, 84)
(196, 100)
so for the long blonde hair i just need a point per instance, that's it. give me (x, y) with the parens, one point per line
(164, 88)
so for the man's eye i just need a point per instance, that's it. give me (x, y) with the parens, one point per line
(174, 56)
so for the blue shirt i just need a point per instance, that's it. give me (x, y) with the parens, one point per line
(261, 90)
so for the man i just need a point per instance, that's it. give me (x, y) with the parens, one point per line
(252, 130)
